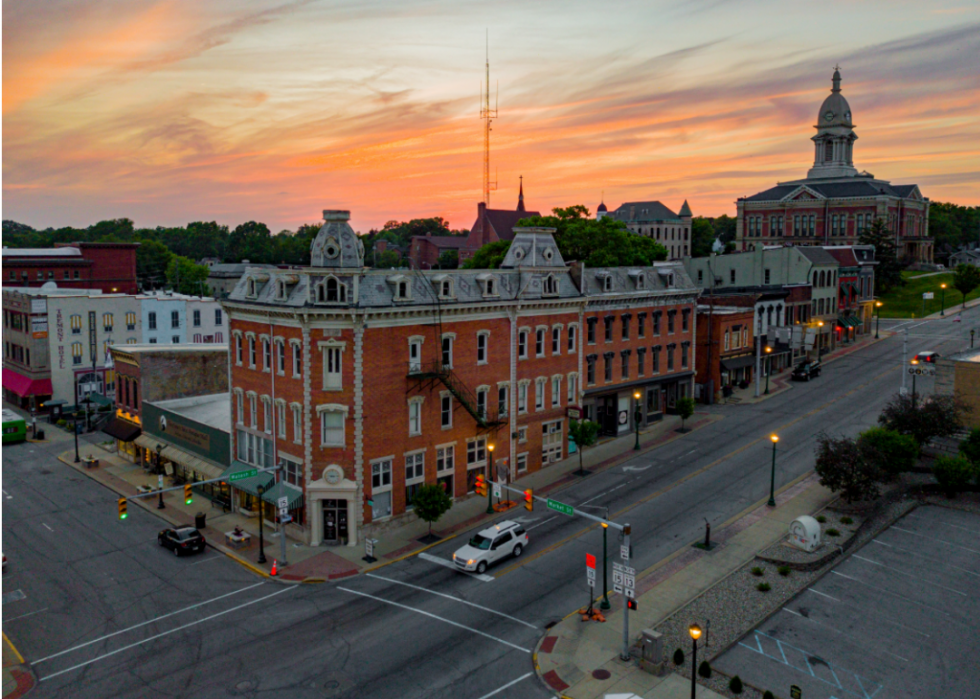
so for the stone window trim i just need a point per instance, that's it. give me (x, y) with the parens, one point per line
(420, 338)
(295, 341)
(489, 283)
(560, 326)
(550, 285)
(442, 396)
(248, 333)
(265, 337)
(626, 352)
(449, 335)
(486, 347)
(251, 394)
(332, 343)
(332, 408)
(280, 401)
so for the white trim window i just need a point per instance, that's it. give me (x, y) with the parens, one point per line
(297, 359)
(414, 475)
(415, 354)
(482, 396)
(550, 285)
(251, 352)
(446, 409)
(522, 343)
(503, 399)
(297, 423)
(522, 435)
(540, 386)
(239, 350)
(253, 410)
(333, 373)
(572, 337)
(522, 462)
(539, 342)
(556, 340)
(281, 417)
(332, 426)
(292, 472)
(239, 407)
(555, 391)
(267, 414)
(281, 357)
(445, 459)
(551, 442)
(447, 350)
(415, 416)
(482, 346)
(522, 387)
(266, 354)
(573, 388)
(476, 452)
(381, 489)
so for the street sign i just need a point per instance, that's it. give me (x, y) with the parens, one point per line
(618, 566)
(624, 552)
(242, 475)
(573, 412)
(590, 573)
(629, 592)
(496, 490)
(590, 561)
(794, 690)
(591, 582)
(928, 295)
(369, 547)
(285, 518)
(617, 577)
(561, 507)
(160, 481)
(629, 581)
(618, 588)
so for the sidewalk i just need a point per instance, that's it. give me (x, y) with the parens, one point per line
(570, 658)
(313, 564)
(17, 677)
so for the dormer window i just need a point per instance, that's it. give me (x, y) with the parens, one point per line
(250, 291)
(281, 293)
(444, 285)
(639, 279)
(605, 281)
(331, 290)
(401, 290)
(447, 288)
(550, 285)
(489, 283)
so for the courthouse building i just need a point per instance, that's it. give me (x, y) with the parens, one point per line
(367, 384)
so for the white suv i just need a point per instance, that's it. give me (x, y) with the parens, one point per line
(490, 545)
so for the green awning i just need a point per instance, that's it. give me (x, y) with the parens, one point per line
(849, 321)
(249, 485)
(99, 399)
(288, 490)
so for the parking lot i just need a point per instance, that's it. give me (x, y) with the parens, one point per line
(900, 617)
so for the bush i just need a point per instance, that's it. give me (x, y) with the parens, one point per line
(757, 571)
(846, 520)
(890, 451)
(821, 519)
(953, 473)
(62, 423)
(970, 447)
(784, 571)
(704, 669)
(685, 409)
(842, 468)
(832, 532)
(431, 502)
(763, 587)
(768, 695)
(935, 416)
(735, 684)
(678, 657)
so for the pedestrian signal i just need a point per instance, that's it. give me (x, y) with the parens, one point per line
(122, 508)
(529, 500)
(631, 604)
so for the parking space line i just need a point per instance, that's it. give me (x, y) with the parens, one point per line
(144, 623)
(919, 553)
(454, 599)
(894, 656)
(932, 538)
(452, 566)
(165, 633)
(846, 604)
(434, 616)
(823, 594)
(902, 572)
(36, 611)
(507, 686)
(879, 589)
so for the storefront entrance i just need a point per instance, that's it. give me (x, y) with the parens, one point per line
(606, 415)
(335, 529)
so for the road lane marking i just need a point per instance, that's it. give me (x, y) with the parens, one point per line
(452, 566)
(527, 529)
(581, 504)
(47, 527)
(165, 633)
(507, 686)
(902, 572)
(434, 616)
(824, 594)
(887, 621)
(454, 599)
(36, 611)
(144, 623)
(8, 495)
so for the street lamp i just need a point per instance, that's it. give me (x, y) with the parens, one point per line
(695, 632)
(160, 504)
(74, 425)
(942, 311)
(490, 479)
(772, 477)
(768, 366)
(914, 363)
(636, 418)
(261, 559)
(878, 305)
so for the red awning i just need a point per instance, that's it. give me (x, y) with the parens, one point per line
(24, 386)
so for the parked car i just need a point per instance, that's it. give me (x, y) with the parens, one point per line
(181, 540)
(806, 370)
(491, 545)
(929, 357)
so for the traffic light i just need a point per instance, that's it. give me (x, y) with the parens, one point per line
(122, 508)
(481, 484)
(631, 604)
(188, 495)
(529, 500)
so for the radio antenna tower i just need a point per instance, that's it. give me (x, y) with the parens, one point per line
(487, 115)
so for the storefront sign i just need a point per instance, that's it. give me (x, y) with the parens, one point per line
(199, 439)
(39, 327)
(39, 305)
(623, 417)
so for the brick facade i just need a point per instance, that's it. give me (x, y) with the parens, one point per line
(110, 267)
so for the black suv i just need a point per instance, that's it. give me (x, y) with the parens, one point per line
(806, 370)
(181, 540)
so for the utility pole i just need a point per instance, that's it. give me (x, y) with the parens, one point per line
(905, 350)
(758, 359)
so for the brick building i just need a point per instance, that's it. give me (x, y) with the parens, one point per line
(725, 348)
(654, 220)
(110, 267)
(835, 202)
(492, 225)
(424, 250)
(367, 383)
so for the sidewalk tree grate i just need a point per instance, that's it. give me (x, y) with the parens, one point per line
(601, 674)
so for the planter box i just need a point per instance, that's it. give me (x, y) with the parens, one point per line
(235, 541)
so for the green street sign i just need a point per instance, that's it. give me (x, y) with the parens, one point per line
(561, 507)
(242, 475)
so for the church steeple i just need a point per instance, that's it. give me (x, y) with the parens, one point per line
(520, 197)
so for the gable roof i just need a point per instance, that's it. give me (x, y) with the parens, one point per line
(817, 256)
(503, 221)
(644, 211)
(844, 256)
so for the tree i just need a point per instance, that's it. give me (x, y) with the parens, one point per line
(431, 502)
(953, 473)
(389, 259)
(490, 256)
(725, 226)
(937, 416)
(448, 259)
(702, 237)
(888, 271)
(841, 468)
(597, 243)
(152, 260)
(250, 241)
(187, 277)
(891, 452)
(584, 432)
(970, 447)
(966, 278)
(685, 409)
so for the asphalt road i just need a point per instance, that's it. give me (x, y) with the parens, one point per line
(111, 614)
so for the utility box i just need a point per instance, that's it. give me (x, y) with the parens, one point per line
(652, 652)
(804, 533)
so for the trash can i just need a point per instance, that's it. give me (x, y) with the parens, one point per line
(199, 520)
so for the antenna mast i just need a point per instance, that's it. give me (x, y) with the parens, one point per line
(487, 115)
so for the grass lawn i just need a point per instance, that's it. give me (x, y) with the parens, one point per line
(906, 301)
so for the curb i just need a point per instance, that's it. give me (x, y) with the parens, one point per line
(22, 673)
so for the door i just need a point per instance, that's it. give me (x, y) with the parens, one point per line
(607, 415)
(330, 523)
(342, 520)
(500, 546)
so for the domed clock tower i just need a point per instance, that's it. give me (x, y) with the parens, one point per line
(834, 142)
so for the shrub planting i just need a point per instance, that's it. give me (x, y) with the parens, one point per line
(846, 520)
(678, 657)
(735, 684)
(757, 571)
(784, 570)
(832, 532)
(763, 587)
(768, 695)
(704, 669)
(953, 473)
(821, 519)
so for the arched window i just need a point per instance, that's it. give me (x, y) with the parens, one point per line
(336, 291)
(828, 151)
(550, 285)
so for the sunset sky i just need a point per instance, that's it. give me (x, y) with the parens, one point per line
(233, 110)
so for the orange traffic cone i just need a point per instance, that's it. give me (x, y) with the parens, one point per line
(275, 568)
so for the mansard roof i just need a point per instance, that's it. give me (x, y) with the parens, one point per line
(851, 188)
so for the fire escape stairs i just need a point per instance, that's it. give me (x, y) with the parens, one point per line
(427, 375)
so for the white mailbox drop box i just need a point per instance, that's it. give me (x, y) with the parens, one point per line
(804, 533)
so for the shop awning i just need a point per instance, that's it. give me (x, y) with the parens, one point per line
(288, 490)
(99, 399)
(122, 430)
(249, 485)
(849, 321)
(205, 467)
(147, 442)
(734, 363)
(25, 386)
